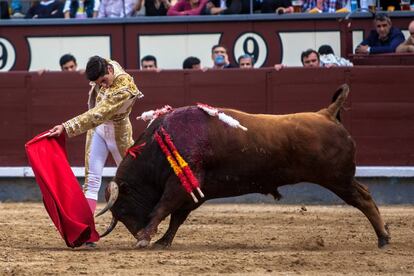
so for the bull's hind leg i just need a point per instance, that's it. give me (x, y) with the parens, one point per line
(177, 218)
(358, 196)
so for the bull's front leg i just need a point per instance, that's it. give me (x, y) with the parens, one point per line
(145, 235)
(173, 197)
(177, 218)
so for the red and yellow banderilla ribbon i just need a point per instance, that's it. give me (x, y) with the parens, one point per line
(135, 150)
(183, 165)
(178, 164)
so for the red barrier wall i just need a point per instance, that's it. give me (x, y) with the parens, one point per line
(124, 34)
(380, 115)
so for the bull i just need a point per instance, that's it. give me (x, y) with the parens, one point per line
(276, 150)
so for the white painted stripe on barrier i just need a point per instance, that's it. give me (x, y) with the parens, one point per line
(28, 172)
(382, 171)
(361, 171)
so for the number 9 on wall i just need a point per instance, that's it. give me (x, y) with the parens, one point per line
(7, 55)
(253, 45)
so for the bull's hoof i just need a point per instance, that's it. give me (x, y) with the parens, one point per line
(142, 243)
(162, 243)
(383, 242)
(385, 239)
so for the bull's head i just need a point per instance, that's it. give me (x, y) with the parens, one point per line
(123, 209)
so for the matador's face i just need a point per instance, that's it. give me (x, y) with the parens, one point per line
(106, 80)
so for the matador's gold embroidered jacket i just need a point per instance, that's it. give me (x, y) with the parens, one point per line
(112, 104)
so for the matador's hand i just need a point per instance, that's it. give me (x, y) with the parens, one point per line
(56, 131)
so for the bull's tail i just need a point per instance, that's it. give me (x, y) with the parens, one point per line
(338, 101)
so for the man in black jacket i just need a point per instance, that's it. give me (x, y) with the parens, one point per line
(384, 39)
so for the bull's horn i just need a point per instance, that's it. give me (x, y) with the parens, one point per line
(113, 195)
(111, 227)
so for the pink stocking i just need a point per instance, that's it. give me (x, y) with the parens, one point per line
(92, 204)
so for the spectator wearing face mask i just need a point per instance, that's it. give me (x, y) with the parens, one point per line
(220, 57)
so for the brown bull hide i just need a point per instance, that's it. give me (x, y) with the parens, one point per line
(276, 150)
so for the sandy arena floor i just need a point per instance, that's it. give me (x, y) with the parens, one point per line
(217, 239)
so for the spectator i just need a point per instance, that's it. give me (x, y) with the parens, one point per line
(244, 5)
(390, 5)
(329, 59)
(16, 8)
(220, 57)
(231, 6)
(149, 62)
(245, 61)
(116, 8)
(45, 9)
(188, 7)
(153, 7)
(81, 8)
(277, 6)
(4, 10)
(215, 7)
(139, 8)
(192, 63)
(408, 45)
(309, 58)
(68, 63)
(319, 6)
(384, 39)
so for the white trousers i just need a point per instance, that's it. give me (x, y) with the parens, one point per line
(102, 142)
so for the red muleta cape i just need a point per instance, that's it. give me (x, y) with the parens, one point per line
(62, 195)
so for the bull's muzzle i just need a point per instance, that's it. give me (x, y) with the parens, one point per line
(113, 195)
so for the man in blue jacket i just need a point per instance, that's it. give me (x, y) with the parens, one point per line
(384, 39)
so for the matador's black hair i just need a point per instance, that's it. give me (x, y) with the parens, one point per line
(96, 68)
